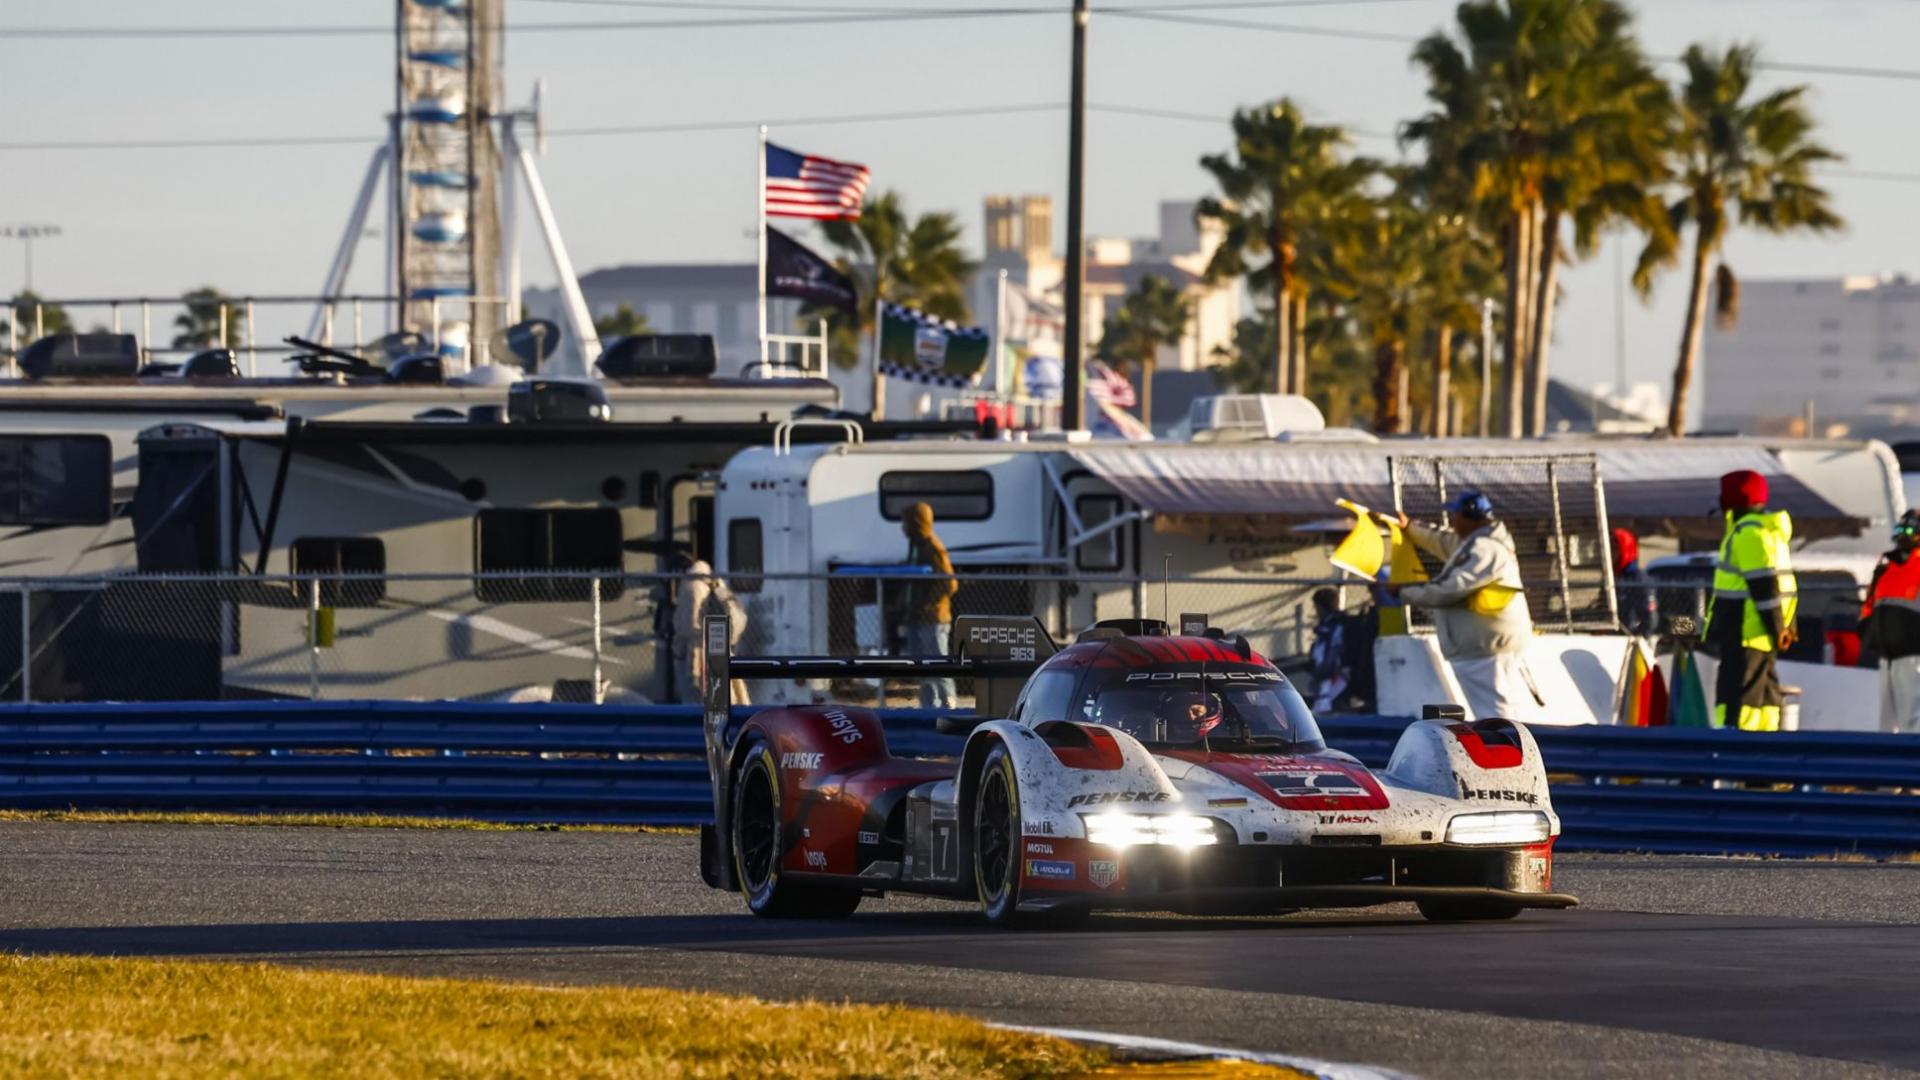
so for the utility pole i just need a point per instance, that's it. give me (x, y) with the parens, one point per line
(27, 234)
(1072, 404)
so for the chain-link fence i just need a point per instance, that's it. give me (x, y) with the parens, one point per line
(1553, 507)
(599, 637)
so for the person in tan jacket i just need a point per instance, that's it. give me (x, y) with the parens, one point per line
(1479, 609)
(929, 608)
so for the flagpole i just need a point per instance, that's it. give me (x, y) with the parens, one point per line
(879, 380)
(760, 279)
(1000, 336)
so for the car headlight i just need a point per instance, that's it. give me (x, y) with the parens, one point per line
(1500, 827)
(1128, 830)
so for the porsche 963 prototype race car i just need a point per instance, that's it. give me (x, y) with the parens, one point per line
(1132, 769)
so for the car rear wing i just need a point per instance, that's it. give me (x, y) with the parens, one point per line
(997, 651)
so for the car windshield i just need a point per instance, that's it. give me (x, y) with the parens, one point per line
(1212, 711)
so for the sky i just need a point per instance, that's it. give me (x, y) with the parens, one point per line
(265, 220)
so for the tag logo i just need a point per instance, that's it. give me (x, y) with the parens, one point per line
(1103, 872)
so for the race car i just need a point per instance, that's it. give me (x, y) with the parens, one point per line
(1133, 769)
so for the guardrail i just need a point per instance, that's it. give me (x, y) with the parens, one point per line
(1616, 789)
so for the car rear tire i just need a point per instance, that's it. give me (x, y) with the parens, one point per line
(1466, 910)
(759, 841)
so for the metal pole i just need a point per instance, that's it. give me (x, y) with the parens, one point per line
(879, 380)
(116, 316)
(1606, 545)
(599, 696)
(359, 327)
(313, 639)
(999, 346)
(253, 361)
(224, 343)
(1560, 544)
(760, 235)
(1486, 362)
(579, 319)
(26, 643)
(1072, 408)
(146, 329)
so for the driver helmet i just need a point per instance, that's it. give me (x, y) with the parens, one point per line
(1196, 712)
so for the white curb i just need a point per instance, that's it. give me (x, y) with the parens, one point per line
(1325, 1070)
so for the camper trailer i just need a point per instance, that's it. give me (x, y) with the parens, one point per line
(1077, 531)
(488, 556)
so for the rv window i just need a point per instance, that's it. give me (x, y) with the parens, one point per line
(1105, 552)
(954, 496)
(356, 558)
(744, 554)
(56, 480)
(560, 540)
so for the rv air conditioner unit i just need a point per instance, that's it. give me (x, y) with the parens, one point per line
(658, 356)
(564, 401)
(82, 356)
(1240, 417)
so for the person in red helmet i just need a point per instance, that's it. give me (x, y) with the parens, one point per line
(1755, 599)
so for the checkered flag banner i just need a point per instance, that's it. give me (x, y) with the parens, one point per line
(923, 348)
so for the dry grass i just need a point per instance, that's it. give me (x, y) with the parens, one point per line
(89, 1017)
(328, 821)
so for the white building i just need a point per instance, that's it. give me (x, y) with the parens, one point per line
(1019, 239)
(1842, 351)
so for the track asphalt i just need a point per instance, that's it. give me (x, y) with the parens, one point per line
(1673, 967)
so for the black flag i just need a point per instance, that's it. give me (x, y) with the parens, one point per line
(792, 270)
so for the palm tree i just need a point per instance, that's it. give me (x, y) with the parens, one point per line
(917, 262)
(622, 321)
(1543, 110)
(1155, 314)
(200, 324)
(1380, 268)
(1273, 187)
(1753, 157)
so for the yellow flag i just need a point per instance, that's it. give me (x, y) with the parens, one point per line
(1405, 566)
(1361, 552)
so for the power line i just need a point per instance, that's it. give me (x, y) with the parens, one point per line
(851, 9)
(1844, 70)
(625, 129)
(348, 30)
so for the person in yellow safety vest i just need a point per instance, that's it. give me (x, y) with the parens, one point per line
(1890, 626)
(1755, 600)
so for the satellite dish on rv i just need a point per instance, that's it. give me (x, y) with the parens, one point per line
(532, 341)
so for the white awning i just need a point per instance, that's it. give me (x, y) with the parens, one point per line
(1646, 482)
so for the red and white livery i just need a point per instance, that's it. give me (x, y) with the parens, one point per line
(1133, 769)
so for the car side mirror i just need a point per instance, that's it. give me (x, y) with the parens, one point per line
(957, 725)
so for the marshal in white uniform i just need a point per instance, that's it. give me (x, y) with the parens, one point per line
(1480, 614)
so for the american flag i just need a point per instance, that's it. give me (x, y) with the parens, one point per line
(804, 186)
(1108, 386)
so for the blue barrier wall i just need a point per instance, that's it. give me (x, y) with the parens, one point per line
(1667, 790)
